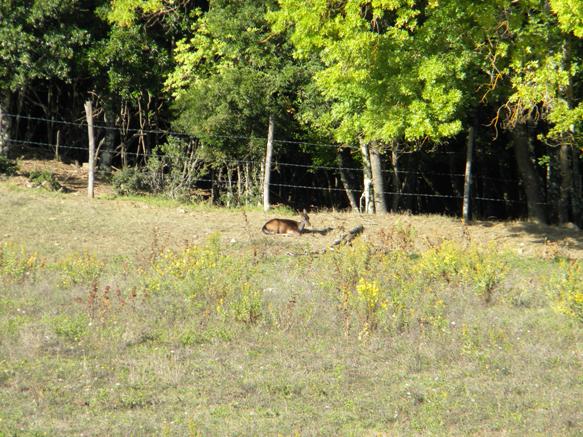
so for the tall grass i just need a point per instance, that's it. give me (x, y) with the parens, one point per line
(215, 339)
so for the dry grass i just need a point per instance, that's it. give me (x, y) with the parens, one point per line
(71, 222)
(90, 346)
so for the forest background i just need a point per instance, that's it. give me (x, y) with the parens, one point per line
(371, 105)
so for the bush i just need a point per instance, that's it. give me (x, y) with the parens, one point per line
(44, 179)
(173, 169)
(129, 180)
(566, 289)
(8, 166)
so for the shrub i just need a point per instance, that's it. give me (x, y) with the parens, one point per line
(44, 179)
(8, 166)
(173, 169)
(128, 180)
(442, 262)
(566, 289)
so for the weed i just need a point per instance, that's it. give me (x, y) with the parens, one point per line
(372, 299)
(213, 282)
(444, 261)
(8, 166)
(100, 304)
(70, 328)
(565, 288)
(78, 269)
(484, 269)
(247, 306)
(401, 236)
(16, 264)
(44, 179)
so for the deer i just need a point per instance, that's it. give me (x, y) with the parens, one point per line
(285, 226)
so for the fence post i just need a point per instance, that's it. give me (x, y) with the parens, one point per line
(466, 213)
(91, 163)
(57, 146)
(268, 156)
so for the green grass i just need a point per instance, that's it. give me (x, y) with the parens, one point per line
(215, 337)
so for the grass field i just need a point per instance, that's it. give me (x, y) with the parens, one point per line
(142, 317)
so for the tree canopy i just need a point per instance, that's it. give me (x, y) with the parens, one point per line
(406, 77)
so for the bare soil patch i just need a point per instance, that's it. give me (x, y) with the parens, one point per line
(72, 176)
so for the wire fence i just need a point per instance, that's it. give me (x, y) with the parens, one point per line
(276, 164)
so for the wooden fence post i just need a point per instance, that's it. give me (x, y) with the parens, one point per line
(91, 135)
(268, 156)
(57, 146)
(466, 213)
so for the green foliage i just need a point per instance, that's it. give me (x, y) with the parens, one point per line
(565, 288)
(8, 166)
(211, 281)
(16, 264)
(78, 269)
(231, 76)
(127, 181)
(570, 15)
(70, 328)
(375, 84)
(44, 179)
(124, 12)
(485, 269)
(174, 168)
(29, 32)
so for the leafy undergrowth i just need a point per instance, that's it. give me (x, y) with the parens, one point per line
(210, 339)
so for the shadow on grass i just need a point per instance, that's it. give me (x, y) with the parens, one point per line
(544, 234)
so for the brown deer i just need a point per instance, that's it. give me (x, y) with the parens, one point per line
(285, 226)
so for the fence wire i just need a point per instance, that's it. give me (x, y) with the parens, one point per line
(275, 164)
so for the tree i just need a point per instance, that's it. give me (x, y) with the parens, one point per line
(384, 80)
(29, 31)
(234, 79)
(534, 70)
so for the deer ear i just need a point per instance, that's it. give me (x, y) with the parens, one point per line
(305, 212)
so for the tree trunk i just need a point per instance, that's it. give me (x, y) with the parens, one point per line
(577, 197)
(268, 156)
(91, 161)
(367, 180)
(377, 180)
(566, 186)
(530, 178)
(395, 177)
(466, 213)
(4, 127)
(553, 184)
(345, 178)
(109, 144)
(49, 114)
